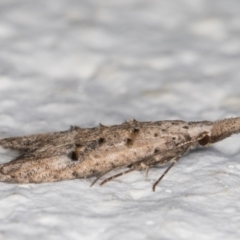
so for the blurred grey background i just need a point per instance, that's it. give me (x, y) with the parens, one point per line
(85, 62)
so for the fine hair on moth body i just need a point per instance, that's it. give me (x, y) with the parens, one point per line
(88, 152)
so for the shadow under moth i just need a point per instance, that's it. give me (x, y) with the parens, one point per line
(87, 152)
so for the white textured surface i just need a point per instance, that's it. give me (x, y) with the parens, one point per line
(84, 62)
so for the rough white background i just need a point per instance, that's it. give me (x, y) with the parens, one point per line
(72, 62)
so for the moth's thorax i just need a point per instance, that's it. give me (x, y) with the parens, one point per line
(197, 128)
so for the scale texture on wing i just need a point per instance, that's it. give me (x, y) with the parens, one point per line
(81, 153)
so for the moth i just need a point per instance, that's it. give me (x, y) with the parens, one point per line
(93, 152)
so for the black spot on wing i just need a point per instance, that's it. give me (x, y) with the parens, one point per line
(129, 142)
(73, 156)
(101, 141)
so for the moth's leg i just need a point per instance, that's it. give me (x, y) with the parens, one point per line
(99, 176)
(175, 159)
(132, 168)
(136, 166)
(151, 162)
(147, 170)
(146, 164)
(117, 175)
(165, 172)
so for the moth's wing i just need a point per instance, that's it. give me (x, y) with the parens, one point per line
(40, 145)
(45, 152)
(35, 141)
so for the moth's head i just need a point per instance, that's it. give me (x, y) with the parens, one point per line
(224, 128)
(207, 132)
